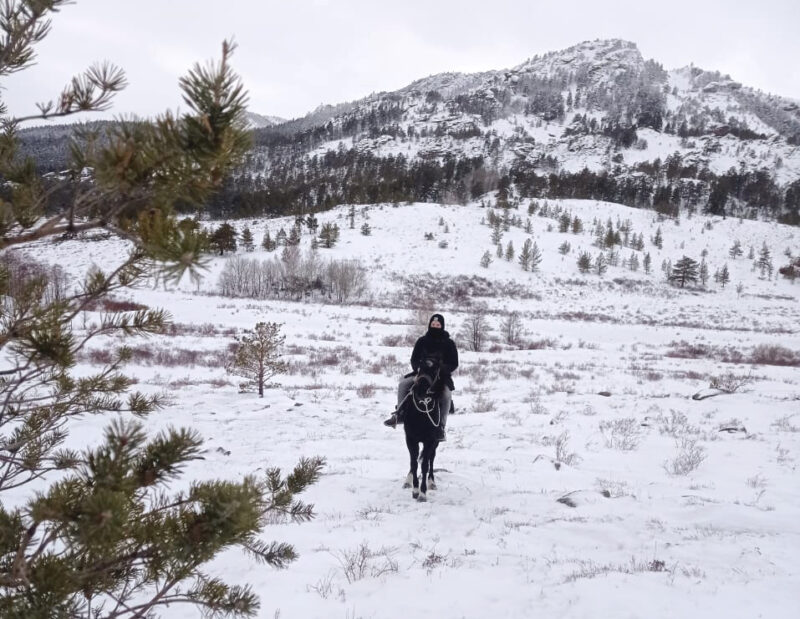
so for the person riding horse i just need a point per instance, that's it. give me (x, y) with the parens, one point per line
(434, 347)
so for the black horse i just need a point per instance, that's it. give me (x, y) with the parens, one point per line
(421, 419)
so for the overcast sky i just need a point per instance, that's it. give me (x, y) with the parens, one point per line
(294, 55)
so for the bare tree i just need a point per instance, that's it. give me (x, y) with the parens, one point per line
(475, 329)
(511, 328)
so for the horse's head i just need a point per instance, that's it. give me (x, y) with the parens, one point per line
(428, 383)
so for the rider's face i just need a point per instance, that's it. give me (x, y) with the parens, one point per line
(435, 324)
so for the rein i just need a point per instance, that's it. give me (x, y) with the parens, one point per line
(427, 407)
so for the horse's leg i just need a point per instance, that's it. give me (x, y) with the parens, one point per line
(427, 455)
(413, 452)
(431, 480)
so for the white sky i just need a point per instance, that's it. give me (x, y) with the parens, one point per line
(297, 54)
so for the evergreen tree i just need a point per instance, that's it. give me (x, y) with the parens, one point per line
(564, 248)
(610, 237)
(536, 257)
(564, 222)
(509, 251)
(686, 270)
(351, 216)
(703, 274)
(257, 356)
(294, 236)
(764, 262)
(633, 262)
(577, 225)
(497, 233)
(267, 243)
(365, 229)
(247, 239)
(647, 263)
(329, 235)
(281, 238)
(312, 223)
(486, 259)
(499, 251)
(736, 249)
(600, 265)
(525, 255)
(658, 240)
(584, 262)
(224, 238)
(100, 533)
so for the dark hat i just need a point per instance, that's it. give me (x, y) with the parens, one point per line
(438, 317)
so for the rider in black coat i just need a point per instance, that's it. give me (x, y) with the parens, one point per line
(437, 347)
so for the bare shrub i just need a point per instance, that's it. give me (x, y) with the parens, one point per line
(690, 456)
(428, 290)
(396, 341)
(784, 424)
(771, 354)
(563, 454)
(540, 344)
(115, 305)
(676, 425)
(623, 434)
(205, 329)
(363, 562)
(483, 404)
(149, 354)
(590, 569)
(730, 382)
(613, 489)
(386, 364)
(536, 406)
(324, 587)
(478, 372)
(365, 391)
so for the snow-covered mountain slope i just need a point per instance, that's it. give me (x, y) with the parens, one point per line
(259, 121)
(682, 138)
(594, 121)
(579, 479)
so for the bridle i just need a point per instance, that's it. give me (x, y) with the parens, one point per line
(429, 403)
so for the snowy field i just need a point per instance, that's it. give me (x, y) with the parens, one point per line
(579, 478)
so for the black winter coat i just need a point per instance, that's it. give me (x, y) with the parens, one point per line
(437, 346)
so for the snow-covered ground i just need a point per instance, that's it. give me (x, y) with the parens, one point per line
(579, 479)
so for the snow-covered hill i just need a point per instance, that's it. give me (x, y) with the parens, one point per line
(579, 479)
(639, 134)
(259, 121)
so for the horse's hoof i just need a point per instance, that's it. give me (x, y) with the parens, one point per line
(422, 497)
(431, 485)
(415, 494)
(409, 480)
